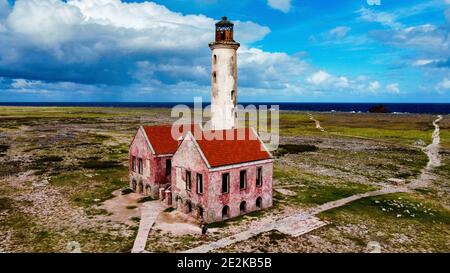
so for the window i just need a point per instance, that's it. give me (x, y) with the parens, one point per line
(214, 77)
(188, 180)
(243, 207)
(168, 166)
(133, 164)
(232, 94)
(215, 59)
(200, 212)
(140, 167)
(199, 183)
(189, 206)
(259, 176)
(225, 182)
(258, 202)
(225, 212)
(243, 180)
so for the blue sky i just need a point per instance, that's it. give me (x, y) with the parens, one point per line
(291, 50)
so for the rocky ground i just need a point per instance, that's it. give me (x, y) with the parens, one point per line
(59, 168)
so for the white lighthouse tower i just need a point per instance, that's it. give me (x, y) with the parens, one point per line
(224, 77)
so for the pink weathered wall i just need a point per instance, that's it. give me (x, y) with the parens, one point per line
(188, 158)
(212, 200)
(156, 178)
(233, 199)
(159, 169)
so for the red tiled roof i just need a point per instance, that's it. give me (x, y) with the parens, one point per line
(228, 152)
(160, 137)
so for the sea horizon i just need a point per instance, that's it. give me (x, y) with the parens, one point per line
(352, 107)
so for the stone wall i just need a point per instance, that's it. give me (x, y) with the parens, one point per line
(212, 201)
(153, 176)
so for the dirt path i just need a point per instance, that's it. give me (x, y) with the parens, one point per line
(149, 213)
(434, 159)
(318, 126)
(304, 222)
(294, 225)
(432, 150)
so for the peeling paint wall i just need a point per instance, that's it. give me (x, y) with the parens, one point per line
(154, 175)
(233, 199)
(187, 158)
(224, 86)
(213, 200)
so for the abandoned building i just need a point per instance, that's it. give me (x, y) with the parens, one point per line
(210, 178)
(151, 154)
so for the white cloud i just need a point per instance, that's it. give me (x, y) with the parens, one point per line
(342, 82)
(393, 88)
(136, 26)
(431, 40)
(319, 77)
(383, 18)
(281, 5)
(422, 62)
(247, 32)
(168, 52)
(269, 69)
(50, 89)
(373, 86)
(444, 84)
(339, 32)
(22, 83)
(326, 80)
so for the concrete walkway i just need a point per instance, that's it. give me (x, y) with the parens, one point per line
(149, 213)
(304, 222)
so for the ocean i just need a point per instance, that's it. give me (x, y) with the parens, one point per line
(428, 108)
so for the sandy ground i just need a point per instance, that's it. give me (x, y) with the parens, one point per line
(177, 223)
(120, 207)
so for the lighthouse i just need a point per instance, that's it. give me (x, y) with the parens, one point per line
(224, 77)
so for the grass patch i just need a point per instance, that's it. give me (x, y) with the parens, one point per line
(99, 165)
(320, 194)
(3, 149)
(424, 220)
(45, 159)
(169, 209)
(89, 191)
(276, 235)
(398, 206)
(126, 191)
(146, 199)
(5, 203)
(135, 219)
(294, 149)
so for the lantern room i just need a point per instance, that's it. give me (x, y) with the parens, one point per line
(224, 31)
